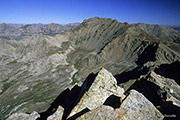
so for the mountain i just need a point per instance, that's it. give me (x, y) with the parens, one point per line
(18, 31)
(162, 32)
(175, 27)
(45, 70)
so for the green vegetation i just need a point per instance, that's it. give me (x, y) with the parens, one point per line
(76, 65)
(12, 62)
(5, 86)
(44, 97)
(74, 80)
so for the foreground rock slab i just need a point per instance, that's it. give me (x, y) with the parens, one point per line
(103, 86)
(57, 115)
(134, 107)
(137, 107)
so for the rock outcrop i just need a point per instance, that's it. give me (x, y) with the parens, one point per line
(135, 106)
(103, 86)
(57, 115)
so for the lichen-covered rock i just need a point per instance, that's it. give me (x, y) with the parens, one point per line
(134, 107)
(101, 113)
(137, 107)
(103, 86)
(24, 116)
(57, 115)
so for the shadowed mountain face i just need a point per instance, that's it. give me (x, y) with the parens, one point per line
(38, 62)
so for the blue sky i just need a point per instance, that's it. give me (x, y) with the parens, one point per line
(164, 12)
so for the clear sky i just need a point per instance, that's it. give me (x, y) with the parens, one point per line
(166, 12)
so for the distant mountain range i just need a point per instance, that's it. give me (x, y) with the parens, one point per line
(18, 31)
(175, 27)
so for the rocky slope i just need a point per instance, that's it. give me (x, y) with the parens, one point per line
(38, 66)
(162, 32)
(30, 72)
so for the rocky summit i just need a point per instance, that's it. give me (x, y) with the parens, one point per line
(103, 86)
(99, 69)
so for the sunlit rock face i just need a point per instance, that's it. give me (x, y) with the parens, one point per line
(136, 106)
(57, 115)
(103, 86)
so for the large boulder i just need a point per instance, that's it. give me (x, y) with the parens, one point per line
(137, 107)
(103, 86)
